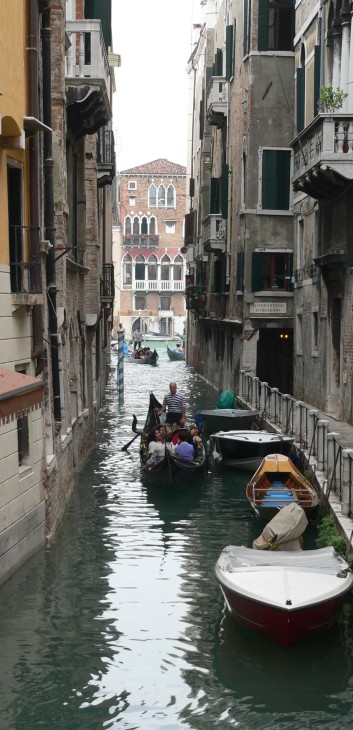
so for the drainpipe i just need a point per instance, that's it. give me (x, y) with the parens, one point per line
(49, 212)
(33, 149)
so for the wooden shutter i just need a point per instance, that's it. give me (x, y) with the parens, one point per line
(263, 19)
(218, 62)
(256, 271)
(214, 195)
(229, 51)
(202, 115)
(240, 271)
(101, 10)
(300, 99)
(275, 179)
(209, 74)
(317, 70)
(246, 27)
(283, 179)
(224, 191)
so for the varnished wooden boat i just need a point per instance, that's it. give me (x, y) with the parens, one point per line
(276, 483)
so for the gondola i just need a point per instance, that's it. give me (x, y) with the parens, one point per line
(175, 354)
(146, 360)
(198, 466)
(152, 420)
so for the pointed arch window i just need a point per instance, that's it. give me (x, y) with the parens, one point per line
(127, 270)
(152, 196)
(136, 226)
(170, 196)
(153, 228)
(178, 268)
(152, 268)
(127, 226)
(161, 196)
(165, 268)
(144, 225)
(140, 268)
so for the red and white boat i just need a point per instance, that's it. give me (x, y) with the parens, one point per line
(285, 595)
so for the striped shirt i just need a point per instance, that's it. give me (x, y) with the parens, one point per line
(175, 403)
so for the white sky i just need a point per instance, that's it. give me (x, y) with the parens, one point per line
(150, 104)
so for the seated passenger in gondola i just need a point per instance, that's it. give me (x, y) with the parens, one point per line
(184, 450)
(156, 447)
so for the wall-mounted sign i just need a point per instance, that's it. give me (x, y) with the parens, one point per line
(273, 308)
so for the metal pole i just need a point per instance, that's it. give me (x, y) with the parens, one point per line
(120, 365)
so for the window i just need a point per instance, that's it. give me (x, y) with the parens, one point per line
(171, 196)
(152, 196)
(165, 303)
(153, 226)
(301, 91)
(140, 301)
(132, 201)
(132, 185)
(152, 268)
(127, 226)
(144, 226)
(161, 196)
(165, 268)
(170, 226)
(315, 333)
(127, 270)
(136, 226)
(230, 50)
(272, 271)
(276, 25)
(178, 268)
(14, 192)
(300, 243)
(23, 440)
(140, 267)
(246, 27)
(275, 182)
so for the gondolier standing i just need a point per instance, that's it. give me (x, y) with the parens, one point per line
(175, 405)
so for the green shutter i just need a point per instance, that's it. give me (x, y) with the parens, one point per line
(317, 64)
(245, 27)
(256, 275)
(275, 179)
(218, 62)
(240, 271)
(209, 74)
(300, 99)
(101, 10)
(263, 20)
(224, 191)
(214, 195)
(229, 51)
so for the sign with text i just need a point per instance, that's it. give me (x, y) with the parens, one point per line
(268, 308)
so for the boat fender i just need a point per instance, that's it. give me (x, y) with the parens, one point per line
(216, 456)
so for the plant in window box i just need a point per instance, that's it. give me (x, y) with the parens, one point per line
(195, 296)
(331, 100)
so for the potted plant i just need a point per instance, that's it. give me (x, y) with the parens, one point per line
(331, 100)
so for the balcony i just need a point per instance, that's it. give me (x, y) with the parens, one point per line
(105, 157)
(87, 77)
(143, 240)
(217, 100)
(195, 300)
(323, 156)
(25, 265)
(156, 285)
(214, 235)
(107, 286)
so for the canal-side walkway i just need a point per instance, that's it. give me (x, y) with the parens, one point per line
(325, 442)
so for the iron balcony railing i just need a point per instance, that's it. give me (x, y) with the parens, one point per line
(107, 283)
(145, 240)
(25, 270)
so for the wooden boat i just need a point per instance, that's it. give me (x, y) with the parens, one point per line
(228, 419)
(246, 449)
(146, 360)
(175, 354)
(286, 596)
(198, 466)
(277, 483)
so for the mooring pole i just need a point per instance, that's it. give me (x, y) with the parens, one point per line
(120, 365)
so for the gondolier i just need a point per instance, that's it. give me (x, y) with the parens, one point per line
(175, 405)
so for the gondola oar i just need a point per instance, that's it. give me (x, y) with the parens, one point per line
(125, 448)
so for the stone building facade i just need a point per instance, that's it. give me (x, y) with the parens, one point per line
(152, 204)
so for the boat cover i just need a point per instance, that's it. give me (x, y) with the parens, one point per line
(283, 532)
(239, 559)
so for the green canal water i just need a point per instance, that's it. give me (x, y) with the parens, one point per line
(120, 623)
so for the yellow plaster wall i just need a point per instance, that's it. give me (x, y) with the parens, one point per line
(13, 102)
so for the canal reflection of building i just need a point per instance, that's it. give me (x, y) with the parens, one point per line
(174, 503)
(276, 679)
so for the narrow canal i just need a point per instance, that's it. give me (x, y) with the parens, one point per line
(120, 623)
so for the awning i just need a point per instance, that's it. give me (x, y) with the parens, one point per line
(19, 394)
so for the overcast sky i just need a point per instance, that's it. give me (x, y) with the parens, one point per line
(150, 105)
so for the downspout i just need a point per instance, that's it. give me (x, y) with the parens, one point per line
(34, 177)
(49, 212)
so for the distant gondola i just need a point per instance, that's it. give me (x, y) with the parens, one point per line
(175, 354)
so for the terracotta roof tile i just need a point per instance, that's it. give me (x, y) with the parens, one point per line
(157, 167)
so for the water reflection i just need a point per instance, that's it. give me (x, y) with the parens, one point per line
(121, 624)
